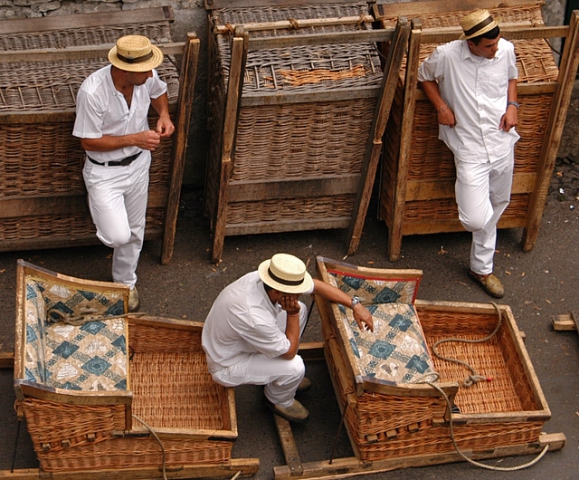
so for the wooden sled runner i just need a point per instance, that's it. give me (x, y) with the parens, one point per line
(108, 394)
(398, 398)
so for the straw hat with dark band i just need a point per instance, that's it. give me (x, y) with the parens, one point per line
(477, 23)
(135, 53)
(286, 274)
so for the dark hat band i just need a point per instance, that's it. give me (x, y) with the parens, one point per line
(478, 26)
(284, 281)
(144, 58)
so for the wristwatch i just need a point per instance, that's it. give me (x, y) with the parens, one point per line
(516, 105)
(355, 301)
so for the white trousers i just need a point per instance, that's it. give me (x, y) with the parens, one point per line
(118, 205)
(483, 191)
(281, 377)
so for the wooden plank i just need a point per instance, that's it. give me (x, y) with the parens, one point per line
(343, 38)
(288, 445)
(6, 360)
(566, 323)
(452, 225)
(63, 204)
(395, 231)
(385, 9)
(83, 52)
(214, 4)
(311, 351)
(84, 20)
(277, 97)
(419, 190)
(303, 187)
(552, 139)
(296, 24)
(183, 121)
(234, 93)
(287, 226)
(342, 467)
(523, 90)
(373, 150)
(247, 467)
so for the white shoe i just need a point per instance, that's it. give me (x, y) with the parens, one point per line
(134, 302)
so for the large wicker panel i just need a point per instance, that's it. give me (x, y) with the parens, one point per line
(40, 159)
(290, 140)
(431, 162)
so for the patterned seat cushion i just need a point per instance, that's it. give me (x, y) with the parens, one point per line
(91, 356)
(395, 352)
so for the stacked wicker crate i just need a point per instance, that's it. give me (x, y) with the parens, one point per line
(42, 194)
(417, 193)
(289, 124)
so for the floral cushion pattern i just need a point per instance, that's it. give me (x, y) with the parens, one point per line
(91, 356)
(395, 352)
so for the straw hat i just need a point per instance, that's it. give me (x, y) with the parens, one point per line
(135, 53)
(286, 274)
(477, 23)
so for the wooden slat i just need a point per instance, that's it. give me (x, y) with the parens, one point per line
(247, 467)
(301, 188)
(373, 146)
(296, 24)
(453, 225)
(214, 4)
(343, 38)
(343, 467)
(185, 106)
(234, 91)
(387, 9)
(552, 139)
(288, 445)
(6, 360)
(566, 323)
(284, 98)
(395, 232)
(84, 20)
(287, 226)
(523, 89)
(83, 52)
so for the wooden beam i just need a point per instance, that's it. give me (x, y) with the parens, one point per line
(342, 467)
(566, 323)
(277, 97)
(288, 445)
(185, 107)
(287, 226)
(6, 360)
(296, 24)
(373, 146)
(395, 232)
(234, 93)
(247, 466)
(552, 138)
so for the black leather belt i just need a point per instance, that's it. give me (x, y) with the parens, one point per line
(118, 163)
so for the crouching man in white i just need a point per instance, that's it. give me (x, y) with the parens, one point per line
(252, 333)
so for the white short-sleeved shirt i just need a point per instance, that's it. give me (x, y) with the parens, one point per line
(242, 321)
(102, 110)
(476, 89)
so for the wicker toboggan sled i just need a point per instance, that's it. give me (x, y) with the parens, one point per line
(107, 393)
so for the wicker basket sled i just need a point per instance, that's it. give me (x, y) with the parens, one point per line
(298, 105)
(107, 393)
(417, 182)
(398, 398)
(42, 193)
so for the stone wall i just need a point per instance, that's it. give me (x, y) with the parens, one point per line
(190, 16)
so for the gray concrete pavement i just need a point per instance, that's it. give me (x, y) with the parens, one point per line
(540, 284)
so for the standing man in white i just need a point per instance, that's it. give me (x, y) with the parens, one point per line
(472, 83)
(111, 121)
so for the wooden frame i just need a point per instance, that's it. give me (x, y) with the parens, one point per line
(533, 184)
(243, 42)
(166, 197)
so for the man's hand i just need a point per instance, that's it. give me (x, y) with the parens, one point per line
(509, 119)
(446, 116)
(165, 127)
(147, 140)
(363, 317)
(290, 304)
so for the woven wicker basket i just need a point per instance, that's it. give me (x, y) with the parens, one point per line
(41, 160)
(429, 206)
(386, 422)
(281, 137)
(167, 387)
